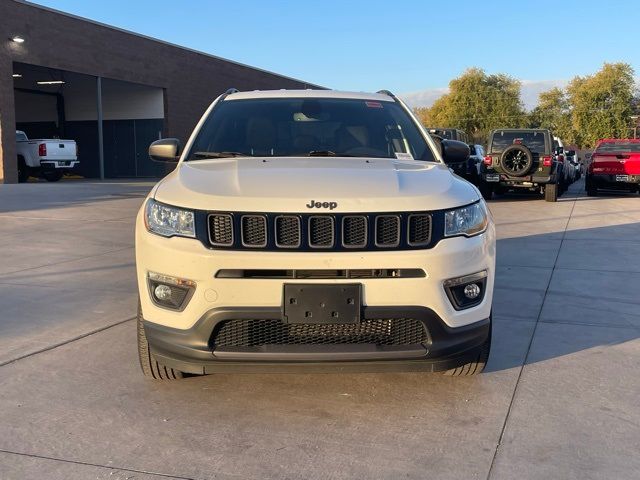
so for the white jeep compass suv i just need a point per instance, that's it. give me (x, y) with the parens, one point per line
(313, 229)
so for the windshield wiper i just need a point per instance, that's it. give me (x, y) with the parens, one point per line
(205, 155)
(322, 153)
(329, 153)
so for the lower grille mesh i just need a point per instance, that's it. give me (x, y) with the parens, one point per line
(254, 333)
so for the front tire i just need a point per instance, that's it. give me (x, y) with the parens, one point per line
(478, 364)
(150, 366)
(551, 192)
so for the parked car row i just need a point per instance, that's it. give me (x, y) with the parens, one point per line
(518, 159)
(615, 165)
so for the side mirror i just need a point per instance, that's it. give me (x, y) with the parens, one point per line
(559, 150)
(165, 150)
(454, 151)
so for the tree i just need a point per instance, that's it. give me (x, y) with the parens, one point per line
(477, 103)
(602, 103)
(553, 112)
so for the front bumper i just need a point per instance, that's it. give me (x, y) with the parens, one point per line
(193, 350)
(182, 339)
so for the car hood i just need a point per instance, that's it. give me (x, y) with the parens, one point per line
(290, 184)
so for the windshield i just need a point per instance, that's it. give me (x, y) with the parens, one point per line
(285, 127)
(619, 147)
(503, 139)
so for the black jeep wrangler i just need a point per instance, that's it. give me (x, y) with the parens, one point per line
(524, 159)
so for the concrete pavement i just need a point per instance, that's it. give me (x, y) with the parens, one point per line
(558, 400)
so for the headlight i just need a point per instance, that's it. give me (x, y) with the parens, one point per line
(168, 221)
(470, 220)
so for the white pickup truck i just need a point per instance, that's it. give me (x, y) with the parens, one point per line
(46, 157)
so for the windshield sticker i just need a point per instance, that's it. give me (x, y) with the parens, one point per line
(404, 156)
(373, 104)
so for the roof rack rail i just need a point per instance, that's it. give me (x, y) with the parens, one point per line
(386, 92)
(228, 92)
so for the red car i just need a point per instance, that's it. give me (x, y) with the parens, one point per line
(615, 165)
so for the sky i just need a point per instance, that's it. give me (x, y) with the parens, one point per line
(413, 48)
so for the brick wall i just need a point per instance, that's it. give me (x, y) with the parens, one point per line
(191, 80)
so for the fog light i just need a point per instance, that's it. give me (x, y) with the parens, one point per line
(466, 291)
(472, 291)
(170, 292)
(163, 292)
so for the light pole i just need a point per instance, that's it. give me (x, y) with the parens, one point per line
(636, 122)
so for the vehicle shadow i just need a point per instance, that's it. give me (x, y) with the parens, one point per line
(555, 296)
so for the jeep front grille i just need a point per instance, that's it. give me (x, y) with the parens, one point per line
(318, 232)
(255, 333)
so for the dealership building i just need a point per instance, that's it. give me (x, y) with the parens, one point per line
(110, 90)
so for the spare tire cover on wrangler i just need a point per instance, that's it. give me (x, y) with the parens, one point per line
(516, 160)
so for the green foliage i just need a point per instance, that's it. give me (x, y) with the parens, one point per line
(554, 112)
(477, 103)
(602, 103)
(592, 107)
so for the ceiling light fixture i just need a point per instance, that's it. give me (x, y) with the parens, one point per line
(17, 39)
(51, 82)
(17, 75)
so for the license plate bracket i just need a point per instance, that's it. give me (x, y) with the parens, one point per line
(492, 178)
(622, 178)
(323, 304)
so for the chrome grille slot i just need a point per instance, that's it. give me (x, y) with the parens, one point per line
(387, 231)
(419, 229)
(321, 232)
(254, 231)
(354, 231)
(221, 230)
(288, 231)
